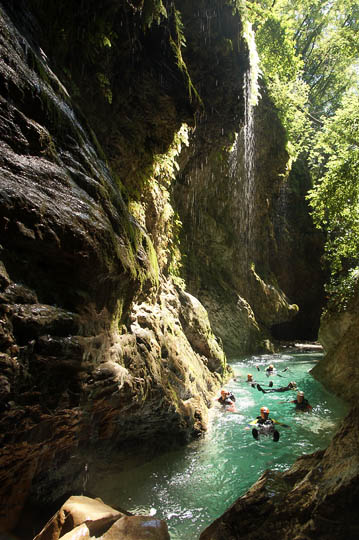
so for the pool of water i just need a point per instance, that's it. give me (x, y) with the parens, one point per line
(192, 486)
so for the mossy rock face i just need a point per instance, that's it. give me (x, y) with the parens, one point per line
(97, 349)
(229, 239)
(127, 77)
(338, 369)
(297, 260)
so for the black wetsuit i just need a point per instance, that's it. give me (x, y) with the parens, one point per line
(281, 389)
(302, 406)
(228, 400)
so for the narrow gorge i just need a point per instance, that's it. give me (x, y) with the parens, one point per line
(151, 229)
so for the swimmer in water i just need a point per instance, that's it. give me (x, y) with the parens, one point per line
(253, 383)
(271, 370)
(265, 425)
(227, 400)
(291, 386)
(301, 404)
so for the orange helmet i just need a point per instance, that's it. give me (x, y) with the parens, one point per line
(265, 410)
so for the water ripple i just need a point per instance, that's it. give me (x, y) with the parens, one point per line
(191, 487)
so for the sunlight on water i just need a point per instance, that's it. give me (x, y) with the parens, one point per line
(192, 486)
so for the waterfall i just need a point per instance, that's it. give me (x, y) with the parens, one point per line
(251, 95)
(249, 163)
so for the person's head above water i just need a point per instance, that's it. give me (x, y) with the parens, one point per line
(224, 393)
(270, 367)
(249, 377)
(300, 396)
(292, 384)
(264, 412)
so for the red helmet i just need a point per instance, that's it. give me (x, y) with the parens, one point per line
(265, 410)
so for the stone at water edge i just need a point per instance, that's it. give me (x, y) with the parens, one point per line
(76, 511)
(138, 528)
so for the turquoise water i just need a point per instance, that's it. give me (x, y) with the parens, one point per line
(192, 486)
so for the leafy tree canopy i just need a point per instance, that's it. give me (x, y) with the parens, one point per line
(309, 51)
(335, 196)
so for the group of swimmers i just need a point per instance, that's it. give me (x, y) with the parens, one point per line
(264, 424)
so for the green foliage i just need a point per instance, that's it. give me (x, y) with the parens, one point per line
(281, 68)
(291, 100)
(341, 290)
(177, 42)
(165, 165)
(164, 171)
(335, 197)
(153, 11)
(309, 55)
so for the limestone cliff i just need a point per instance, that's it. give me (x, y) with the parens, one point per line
(102, 344)
(339, 368)
(228, 225)
(297, 261)
(99, 348)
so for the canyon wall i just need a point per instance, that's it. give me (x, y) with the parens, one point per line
(133, 241)
(99, 348)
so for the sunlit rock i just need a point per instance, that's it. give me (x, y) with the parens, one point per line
(92, 515)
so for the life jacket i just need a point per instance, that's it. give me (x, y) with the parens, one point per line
(265, 426)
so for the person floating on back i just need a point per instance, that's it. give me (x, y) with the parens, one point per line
(227, 400)
(265, 425)
(291, 386)
(271, 370)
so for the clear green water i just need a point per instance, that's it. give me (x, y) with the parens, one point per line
(192, 486)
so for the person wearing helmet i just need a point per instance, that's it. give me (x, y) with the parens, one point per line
(250, 381)
(290, 386)
(265, 425)
(227, 400)
(301, 404)
(270, 370)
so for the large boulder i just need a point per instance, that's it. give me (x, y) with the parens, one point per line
(339, 367)
(83, 517)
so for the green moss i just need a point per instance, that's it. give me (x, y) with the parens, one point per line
(177, 42)
(153, 11)
(152, 257)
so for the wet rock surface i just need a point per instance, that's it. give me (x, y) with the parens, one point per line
(100, 351)
(229, 238)
(91, 518)
(97, 350)
(339, 367)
